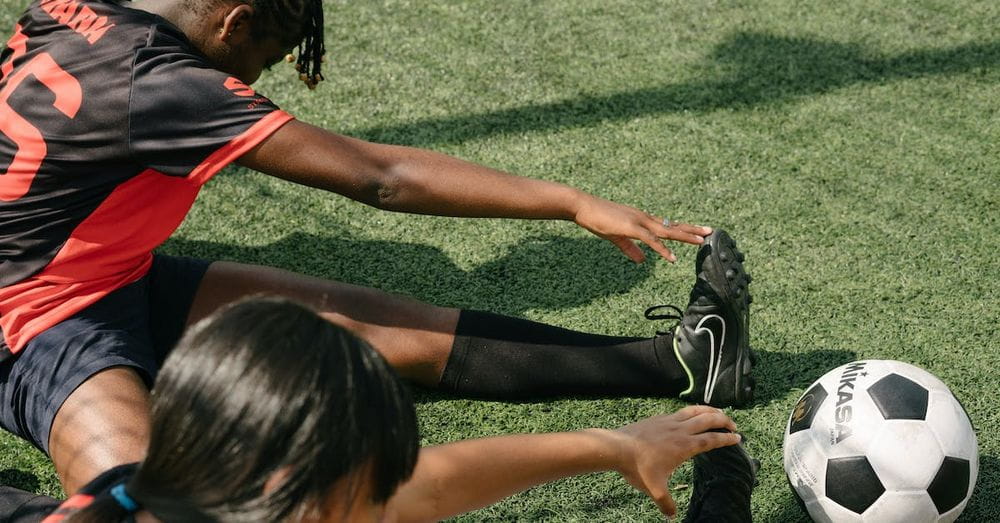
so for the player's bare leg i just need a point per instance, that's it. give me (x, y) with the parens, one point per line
(415, 337)
(102, 424)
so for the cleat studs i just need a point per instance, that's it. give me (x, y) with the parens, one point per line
(749, 279)
(738, 292)
(724, 256)
(731, 274)
(739, 256)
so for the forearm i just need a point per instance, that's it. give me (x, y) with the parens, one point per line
(426, 182)
(458, 477)
(407, 179)
(413, 180)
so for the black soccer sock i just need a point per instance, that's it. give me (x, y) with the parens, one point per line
(509, 358)
(723, 502)
(724, 479)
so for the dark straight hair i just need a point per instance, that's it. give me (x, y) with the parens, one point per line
(265, 389)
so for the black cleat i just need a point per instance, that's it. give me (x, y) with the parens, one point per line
(712, 340)
(724, 479)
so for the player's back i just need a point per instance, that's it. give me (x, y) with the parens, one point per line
(64, 131)
(110, 123)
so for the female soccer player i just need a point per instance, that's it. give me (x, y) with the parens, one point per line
(267, 412)
(112, 117)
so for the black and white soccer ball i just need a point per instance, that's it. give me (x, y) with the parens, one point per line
(880, 441)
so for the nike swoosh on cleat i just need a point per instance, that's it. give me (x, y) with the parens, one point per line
(715, 356)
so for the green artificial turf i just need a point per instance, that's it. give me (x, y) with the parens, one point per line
(849, 147)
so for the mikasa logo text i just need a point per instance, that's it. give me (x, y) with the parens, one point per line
(845, 395)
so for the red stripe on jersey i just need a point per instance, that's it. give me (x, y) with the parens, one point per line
(68, 507)
(239, 146)
(113, 246)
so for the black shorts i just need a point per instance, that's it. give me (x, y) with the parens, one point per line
(135, 326)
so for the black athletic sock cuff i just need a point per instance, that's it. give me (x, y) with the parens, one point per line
(500, 357)
(491, 326)
(726, 503)
(452, 374)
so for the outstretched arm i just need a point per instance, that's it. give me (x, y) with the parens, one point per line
(418, 181)
(458, 477)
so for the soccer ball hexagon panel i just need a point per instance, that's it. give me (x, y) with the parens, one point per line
(879, 440)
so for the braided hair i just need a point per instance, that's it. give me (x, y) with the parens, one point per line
(294, 23)
(297, 23)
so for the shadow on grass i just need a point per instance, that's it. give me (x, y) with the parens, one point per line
(18, 500)
(548, 273)
(779, 372)
(983, 505)
(19, 479)
(762, 68)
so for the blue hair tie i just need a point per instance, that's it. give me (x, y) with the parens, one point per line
(123, 499)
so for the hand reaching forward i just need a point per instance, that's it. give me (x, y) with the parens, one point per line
(623, 226)
(654, 447)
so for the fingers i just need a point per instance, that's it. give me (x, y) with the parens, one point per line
(630, 249)
(661, 496)
(699, 230)
(682, 232)
(710, 420)
(707, 441)
(654, 243)
(651, 231)
(694, 410)
(624, 225)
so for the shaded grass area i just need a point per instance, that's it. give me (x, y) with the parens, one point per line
(760, 69)
(849, 148)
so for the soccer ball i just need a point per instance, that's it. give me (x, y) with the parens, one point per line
(879, 440)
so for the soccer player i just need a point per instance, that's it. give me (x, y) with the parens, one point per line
(112, 117)
(341, 442)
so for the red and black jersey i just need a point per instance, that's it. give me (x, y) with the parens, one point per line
(110, 123)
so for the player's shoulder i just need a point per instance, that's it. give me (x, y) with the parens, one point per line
(168, 51)
(92, 24)
(103, 31)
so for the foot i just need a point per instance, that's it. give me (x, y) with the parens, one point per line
(724, 478)
(712, 340)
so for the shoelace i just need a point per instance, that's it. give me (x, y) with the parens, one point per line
(653, 313)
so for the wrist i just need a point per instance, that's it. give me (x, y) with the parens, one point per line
(613, 448)
(576, 202)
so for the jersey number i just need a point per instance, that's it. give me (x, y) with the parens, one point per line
(31, 148)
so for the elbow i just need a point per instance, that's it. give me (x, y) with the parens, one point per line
(424, 505)
(387, 190)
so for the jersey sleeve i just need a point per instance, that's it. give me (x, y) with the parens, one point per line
(189, 120)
